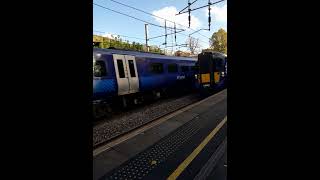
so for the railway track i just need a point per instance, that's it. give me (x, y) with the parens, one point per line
(122, 124)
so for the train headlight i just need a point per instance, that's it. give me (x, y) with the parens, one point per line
(196, 76)
(98, 55)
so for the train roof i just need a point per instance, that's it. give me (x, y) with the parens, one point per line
(140, 54)
(213, 54)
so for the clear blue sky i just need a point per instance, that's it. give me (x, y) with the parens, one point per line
(112, 23)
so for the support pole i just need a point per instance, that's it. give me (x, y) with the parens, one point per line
(146, 34)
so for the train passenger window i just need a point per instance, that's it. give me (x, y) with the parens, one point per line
(157, 68)
(99, 69)
(120, 68)
(172, 68)
(194, 68)
(184, 68)
(131, 67)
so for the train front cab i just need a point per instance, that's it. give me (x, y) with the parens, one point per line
(212, 72)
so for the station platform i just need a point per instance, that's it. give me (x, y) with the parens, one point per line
(188, 144)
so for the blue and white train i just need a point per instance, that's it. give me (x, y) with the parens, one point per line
(129, 76)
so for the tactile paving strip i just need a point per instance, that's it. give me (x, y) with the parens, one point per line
(143, 163)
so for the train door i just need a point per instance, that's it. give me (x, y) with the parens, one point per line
(132, 74)
(126, 73)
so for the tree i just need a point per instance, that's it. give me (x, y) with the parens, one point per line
(118, 43)
(218, 41)
(193, 44)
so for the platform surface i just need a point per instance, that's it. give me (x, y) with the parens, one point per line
(188, 145)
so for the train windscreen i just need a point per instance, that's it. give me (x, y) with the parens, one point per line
(204, 63)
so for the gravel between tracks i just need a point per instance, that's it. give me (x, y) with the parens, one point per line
(119, 125)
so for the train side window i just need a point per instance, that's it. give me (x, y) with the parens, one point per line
(131, 67)
(184, 68)
(99, 69)
(172, 68)
(157, 68)
(120, 68)
(194, 68)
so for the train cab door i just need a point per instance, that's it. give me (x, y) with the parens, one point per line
(132, 74)
(126, 74)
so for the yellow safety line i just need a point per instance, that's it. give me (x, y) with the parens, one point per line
(195, 152)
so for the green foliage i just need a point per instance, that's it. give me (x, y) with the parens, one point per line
(218, 41)
(118, 43)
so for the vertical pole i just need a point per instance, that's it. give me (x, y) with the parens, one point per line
(172, 41)
(165, 27)
(189, 12)
(175, 33)
(209, 17)
(146, 33)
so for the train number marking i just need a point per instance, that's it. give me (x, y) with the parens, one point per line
(181, 77)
